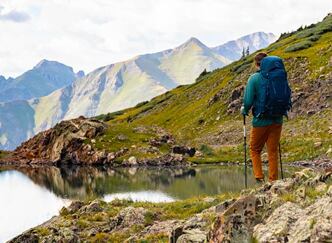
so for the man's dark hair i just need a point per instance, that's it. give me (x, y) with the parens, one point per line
(259, 57)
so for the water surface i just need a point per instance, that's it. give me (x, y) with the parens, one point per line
(32, 195)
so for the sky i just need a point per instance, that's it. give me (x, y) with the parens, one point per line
(87, 34)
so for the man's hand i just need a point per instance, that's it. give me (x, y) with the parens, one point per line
(243, 112)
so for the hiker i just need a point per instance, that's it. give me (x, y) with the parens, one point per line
(268, 94)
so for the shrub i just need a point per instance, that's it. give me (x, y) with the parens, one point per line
(242, 68)
(205, 149)
(285, 35)
(141, 104)
(324, 27)
(246, 63)
(314, 38)
(299, 46)
(109, 116)
(306, 33)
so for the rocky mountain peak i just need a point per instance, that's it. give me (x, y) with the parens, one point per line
(47, 64)
(80, 74)
(193, 41)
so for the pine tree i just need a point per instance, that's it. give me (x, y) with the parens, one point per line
(247, 51)
(202, 74)
(243, 53)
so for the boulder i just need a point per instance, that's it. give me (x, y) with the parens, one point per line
(132, 161)
(235, 223)
(158, 227)
(75, 206)
(162, 138)
(64, 143)
(282, 186)
(192, 230)
(122, 137)
(128, 217)
(192, 236)
(93, 207)
(314, 223)
(278, 224)
(184, 150)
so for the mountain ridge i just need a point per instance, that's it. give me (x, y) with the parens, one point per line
(44, 78)
(255, 41)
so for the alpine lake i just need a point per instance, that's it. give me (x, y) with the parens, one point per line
(30, 195)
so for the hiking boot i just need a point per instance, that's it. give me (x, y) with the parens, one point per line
(259, 181)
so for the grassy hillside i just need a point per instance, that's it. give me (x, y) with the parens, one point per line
(206, 114)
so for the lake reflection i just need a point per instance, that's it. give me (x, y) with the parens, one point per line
(32, 195)
(75, 182)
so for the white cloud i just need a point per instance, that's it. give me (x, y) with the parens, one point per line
(13, 15)
(87, 34)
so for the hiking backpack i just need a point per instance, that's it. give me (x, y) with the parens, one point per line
(275, 98)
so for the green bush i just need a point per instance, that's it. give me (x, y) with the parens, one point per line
(285, 35)
(299, 46)
(141, 104)
(305, 33)
(314, 38)
(324, 27)
(242, 65)
(109, 116)
(206, 150)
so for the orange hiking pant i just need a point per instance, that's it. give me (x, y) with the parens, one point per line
(258, 137)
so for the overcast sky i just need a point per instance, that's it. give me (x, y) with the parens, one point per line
(86, 34)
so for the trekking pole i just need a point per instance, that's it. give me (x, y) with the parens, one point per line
(245, 151)
(281, 170)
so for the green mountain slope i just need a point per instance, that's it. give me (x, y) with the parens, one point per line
(206, 114)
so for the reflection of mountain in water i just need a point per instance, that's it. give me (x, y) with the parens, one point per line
(89, 182)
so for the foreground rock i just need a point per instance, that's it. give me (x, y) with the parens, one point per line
(297, 209)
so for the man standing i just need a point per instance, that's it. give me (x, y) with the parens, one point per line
(268, 94)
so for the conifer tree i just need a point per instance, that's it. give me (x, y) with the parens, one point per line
(247, 51)
(243, 53)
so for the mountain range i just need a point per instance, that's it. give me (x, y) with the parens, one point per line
(106, 89)
(232, 50)
(41, 80)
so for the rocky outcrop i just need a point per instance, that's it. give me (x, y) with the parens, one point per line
(296, 209)
(184, 150)
(65, 143)
(235, 100)
(293, 210)
(75, 142)
(323, 163)
(293, 223)
(163, 137)
(312, 97)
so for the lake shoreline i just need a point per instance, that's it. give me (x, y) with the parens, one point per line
(200, 218)
(320, 163)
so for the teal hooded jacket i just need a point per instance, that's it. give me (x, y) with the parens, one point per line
(252, 89)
